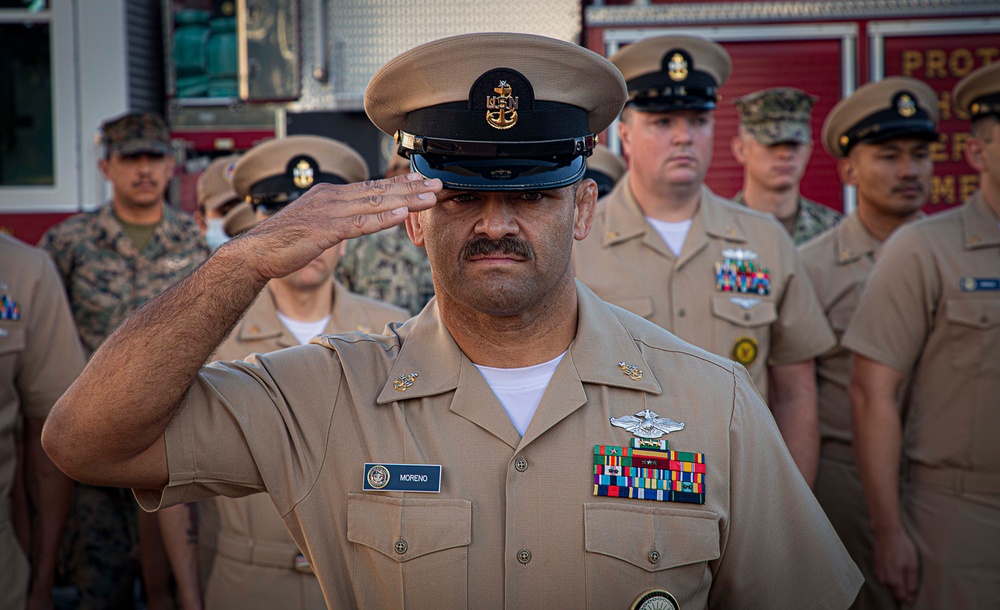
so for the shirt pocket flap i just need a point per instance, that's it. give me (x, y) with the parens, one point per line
(977, 313)
(11, 340)
(746, 311)
(418, 526)
(632, 534)
(640, 306)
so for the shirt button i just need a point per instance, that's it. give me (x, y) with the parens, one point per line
(654, 557)
(401, 546)
(521, 464)
(746, 317)
(681, 313)
(524, 556)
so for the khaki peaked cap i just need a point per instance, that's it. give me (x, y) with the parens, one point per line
(213, 188)
(978, 94)
(272, 159)
(673, 72)
(898, 106)
(239, 219)
(445, 70)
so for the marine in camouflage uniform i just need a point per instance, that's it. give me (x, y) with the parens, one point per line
(775, 134)
(106, 279)
(387, 266)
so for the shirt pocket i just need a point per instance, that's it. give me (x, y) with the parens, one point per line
(632, 549)
(409, 548)
(974, 334)
(734, 323)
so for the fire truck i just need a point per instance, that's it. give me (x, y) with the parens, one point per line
(228, 74)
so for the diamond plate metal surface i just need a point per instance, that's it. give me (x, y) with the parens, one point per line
(361, 35)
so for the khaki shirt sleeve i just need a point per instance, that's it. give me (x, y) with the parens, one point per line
(896, 310)
(246, 427)
(53, 357)
(801, 331)
(775, 524)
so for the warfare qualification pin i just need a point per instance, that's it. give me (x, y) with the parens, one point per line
(647, 424)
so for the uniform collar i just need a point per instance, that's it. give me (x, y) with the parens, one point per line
(261, 321)
(170, 230)
(979, 223)
(601, 342)
(627, 220)
(854, 241)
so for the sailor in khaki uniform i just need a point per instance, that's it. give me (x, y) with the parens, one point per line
(518, 444)
(928, 328)
(719, 275)
(258, 564)
(40, 356)
(890, 165)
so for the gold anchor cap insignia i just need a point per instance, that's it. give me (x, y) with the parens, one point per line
(647, 424)
(501, 109)
(906, 106)
(631, 371)
(677, 67)
(403, 382)
(303, 173)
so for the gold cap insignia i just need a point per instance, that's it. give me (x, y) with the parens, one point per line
(501, 109)
(745, 350)
(403, 382)
(677, 67)
(303, 174)
(906, 106)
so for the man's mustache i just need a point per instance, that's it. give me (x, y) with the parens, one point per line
(505, 245)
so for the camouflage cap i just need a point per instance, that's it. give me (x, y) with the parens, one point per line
(136, 133)
(781, 114)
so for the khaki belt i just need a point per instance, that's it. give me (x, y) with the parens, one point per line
(959, 481)
(838, 451)
(266, 554)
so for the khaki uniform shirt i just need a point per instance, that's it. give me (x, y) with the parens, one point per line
(626, 262)
(516, 524)
(40, 357)
(839, 263)
(106, 278)
(932, 309)
(252, 538)
(811, 219)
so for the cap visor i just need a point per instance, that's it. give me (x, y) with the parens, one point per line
(138, 147)
(500, 174)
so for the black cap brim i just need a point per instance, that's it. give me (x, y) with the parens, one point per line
(500, 174)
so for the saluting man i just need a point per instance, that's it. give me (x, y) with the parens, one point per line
(773, 146)
(718, 275)
(881, 137)
(928, 328)
(519, 443)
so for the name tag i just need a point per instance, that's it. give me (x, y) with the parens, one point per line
(975, 284)
(425, 478)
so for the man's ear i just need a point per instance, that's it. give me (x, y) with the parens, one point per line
(586, 203)
(103, 166)
(625, 137)
(974, 154)
(848, 171)
(739, 149)
(415, 229)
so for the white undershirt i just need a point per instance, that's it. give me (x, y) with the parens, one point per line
(673, 233)
(304, 331)
(520, 390)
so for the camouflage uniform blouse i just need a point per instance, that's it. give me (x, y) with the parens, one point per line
(106, 279)
(811, 220)
(387, 266)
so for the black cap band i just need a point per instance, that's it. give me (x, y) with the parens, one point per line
(276, 192)
(904, 118)
(985, 106)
